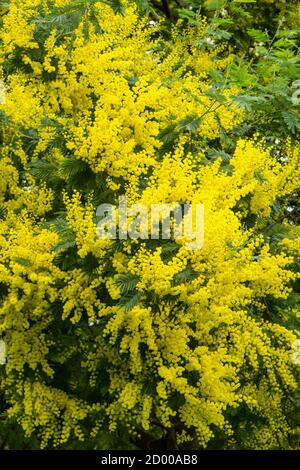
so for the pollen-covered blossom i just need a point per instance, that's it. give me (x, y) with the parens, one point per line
(145, 335)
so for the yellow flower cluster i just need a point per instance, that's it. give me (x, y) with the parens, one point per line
(184, 338)
(52, 410)
(111, 136)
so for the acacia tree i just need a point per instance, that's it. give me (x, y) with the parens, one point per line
(143, 342)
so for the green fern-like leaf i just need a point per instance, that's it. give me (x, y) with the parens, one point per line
(127, 282)
(129, 301)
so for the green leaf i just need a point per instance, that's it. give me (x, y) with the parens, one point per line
(23, 262)
(246, 101)
(188, 274)
(213, 154)
(214, 4)
(259, 176)
(129, 301)
(65, 245)
(3, 118)
(257, 35)
(239, 74)
(188, 15)
(127, 282)
(116, 5)
(169, 249)
(144, 6)
(292, 120)
(43, 170)
(66, 235)
(215, 95)
(3, 212)
(168, 135)
(190, 123)
(72, 166)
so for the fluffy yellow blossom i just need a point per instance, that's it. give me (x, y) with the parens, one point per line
(142, 334)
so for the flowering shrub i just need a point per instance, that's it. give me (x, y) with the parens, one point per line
(148, 340)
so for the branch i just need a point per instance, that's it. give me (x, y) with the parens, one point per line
(166, 9)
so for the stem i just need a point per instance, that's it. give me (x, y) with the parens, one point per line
(166, 9)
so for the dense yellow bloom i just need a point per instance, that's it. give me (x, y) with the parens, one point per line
(157, 332)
